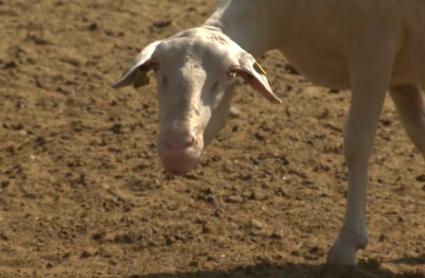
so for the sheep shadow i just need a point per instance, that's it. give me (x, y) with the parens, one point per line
(364, 270)
(413, 261)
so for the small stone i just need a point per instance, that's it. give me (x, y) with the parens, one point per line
(276, 235)
(260, 137)
(162, 24)
(420, 178)
(251, 195)
(233, 199)
(10, 65)
(234, 112)
(18, 126)
(98, 236)
(116, 128)
(256, 224)
(288, 88)
(3, 236)
(85, 254)
(40, 141)
(206, 229)
(38, 40)
(169, 241)
(295, 253)
(314, 249)
(194, 264)
(92, 27)
(4, 184)
(210, 258)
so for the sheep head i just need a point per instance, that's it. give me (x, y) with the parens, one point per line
(195, 72)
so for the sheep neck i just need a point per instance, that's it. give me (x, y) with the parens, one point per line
(248, 23)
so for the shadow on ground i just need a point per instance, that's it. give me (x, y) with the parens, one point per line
(420, 260)
(365, 270)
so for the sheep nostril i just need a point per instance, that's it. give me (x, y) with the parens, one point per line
(181, 142)
(191, 142)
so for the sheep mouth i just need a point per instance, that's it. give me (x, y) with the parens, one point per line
(180, 162)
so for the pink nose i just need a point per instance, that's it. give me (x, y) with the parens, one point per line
(180, 140)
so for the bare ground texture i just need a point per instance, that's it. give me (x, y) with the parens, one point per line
(82, 192)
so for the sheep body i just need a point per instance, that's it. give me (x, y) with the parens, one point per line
(336, 29)
(368, 46)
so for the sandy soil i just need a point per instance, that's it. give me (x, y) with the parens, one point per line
(82, 193)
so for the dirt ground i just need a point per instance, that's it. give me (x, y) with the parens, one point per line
(82, 192)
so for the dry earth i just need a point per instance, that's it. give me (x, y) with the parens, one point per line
(82, 193)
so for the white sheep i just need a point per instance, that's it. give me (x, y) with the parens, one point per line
(368, 46)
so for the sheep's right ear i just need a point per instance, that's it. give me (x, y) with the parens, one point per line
(136, 73)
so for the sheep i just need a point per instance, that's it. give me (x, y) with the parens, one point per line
(368, 46)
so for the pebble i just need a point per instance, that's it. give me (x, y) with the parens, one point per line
(420, 178)
(233, 199)
(10, 65)
(257, 224)
(85, 254)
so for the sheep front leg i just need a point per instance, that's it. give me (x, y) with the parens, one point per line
(369, 79)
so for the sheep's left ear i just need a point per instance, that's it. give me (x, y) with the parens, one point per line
(136, 73)
(255, 76)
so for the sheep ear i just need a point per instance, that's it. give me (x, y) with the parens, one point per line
(255, 76)
(136, 72)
